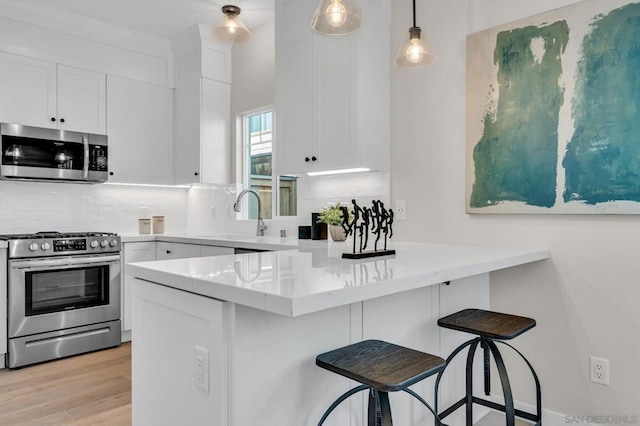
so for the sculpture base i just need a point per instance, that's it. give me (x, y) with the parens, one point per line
(366, 254)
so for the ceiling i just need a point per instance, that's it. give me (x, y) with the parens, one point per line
(161, 18)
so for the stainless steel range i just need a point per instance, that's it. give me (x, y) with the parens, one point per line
(63, 295)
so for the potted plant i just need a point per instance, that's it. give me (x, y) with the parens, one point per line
(332, 216)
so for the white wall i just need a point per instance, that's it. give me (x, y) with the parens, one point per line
(585, 298)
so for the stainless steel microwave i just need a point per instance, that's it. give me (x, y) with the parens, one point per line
(36, 153)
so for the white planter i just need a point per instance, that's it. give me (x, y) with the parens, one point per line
(337, 233)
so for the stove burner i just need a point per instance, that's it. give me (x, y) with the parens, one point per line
(55, 234)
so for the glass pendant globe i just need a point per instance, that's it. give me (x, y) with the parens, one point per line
(415, 52)
(336, 17)
(336, 14)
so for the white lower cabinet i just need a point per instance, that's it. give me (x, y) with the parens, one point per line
(173, 330)
(3, 303)
(215, 251)
(144, 252)
(167, 251)
(133, 252)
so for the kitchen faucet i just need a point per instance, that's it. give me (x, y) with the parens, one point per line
(236, 207)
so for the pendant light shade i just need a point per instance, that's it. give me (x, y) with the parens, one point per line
(416, 51)
(230, 27)
(336, 17)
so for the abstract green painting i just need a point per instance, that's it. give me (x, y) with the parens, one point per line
(553, 112)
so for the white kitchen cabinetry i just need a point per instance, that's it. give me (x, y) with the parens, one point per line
(142, 252)
(332, 93)
(215, 251)
(176, 251)
(44, 94)
(203, 107)
(3, 303)
(133, 252)
(140, 129)
(166, 250)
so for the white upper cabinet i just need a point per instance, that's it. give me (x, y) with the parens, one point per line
(28, 88)
(43, 94)
(202, 108)
(332, 92)
(82, 100)
(140, 129)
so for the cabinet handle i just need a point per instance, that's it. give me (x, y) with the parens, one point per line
(307, 159)
(110, 173)
(196, 174)
(62, 120)
(313, 158)
(168, 251)
(53, 119)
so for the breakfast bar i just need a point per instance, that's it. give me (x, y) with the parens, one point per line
(232, 340)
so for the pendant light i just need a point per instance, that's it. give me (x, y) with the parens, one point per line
(336, 17)
(230, 27)
(415, 52)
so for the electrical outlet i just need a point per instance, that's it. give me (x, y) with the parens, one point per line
(202, 368)
(400, 212)
(599, 368)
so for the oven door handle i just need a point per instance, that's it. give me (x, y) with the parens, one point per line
(63, 262)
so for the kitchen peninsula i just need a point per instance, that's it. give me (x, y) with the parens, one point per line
(232, 340)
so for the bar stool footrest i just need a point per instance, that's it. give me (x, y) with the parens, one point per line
(452, 408)
(500, 407)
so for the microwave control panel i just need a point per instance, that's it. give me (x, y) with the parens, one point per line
(98, 158)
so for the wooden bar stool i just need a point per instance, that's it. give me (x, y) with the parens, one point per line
(381, 367)
(492, 328)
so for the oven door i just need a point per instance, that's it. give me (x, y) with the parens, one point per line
(49, 294)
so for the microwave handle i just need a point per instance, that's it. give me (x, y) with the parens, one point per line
(85, 169)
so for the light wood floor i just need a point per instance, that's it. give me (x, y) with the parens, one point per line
(91, 389)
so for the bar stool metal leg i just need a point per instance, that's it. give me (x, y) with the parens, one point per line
(537, 382)
(385, 409)
(446, 364)
(506, 386)
(374, 408)
(469, 379)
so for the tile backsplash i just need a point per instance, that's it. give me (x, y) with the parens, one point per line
(41, 206)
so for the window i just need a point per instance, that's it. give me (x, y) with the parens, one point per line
(258, 163)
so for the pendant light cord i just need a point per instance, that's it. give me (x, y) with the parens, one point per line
(414, 13)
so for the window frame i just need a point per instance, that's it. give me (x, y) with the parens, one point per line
(246, 164)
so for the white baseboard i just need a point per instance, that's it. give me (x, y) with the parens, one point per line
(125, 336)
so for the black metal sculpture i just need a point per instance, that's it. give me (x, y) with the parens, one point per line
(378, 218)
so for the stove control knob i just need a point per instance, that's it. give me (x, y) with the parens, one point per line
(94, 244)
(45, 246)
(34, 246)
(104, 243)
(112, 243)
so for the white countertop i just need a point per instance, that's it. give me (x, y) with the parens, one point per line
(224, 240)
(314, 277)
